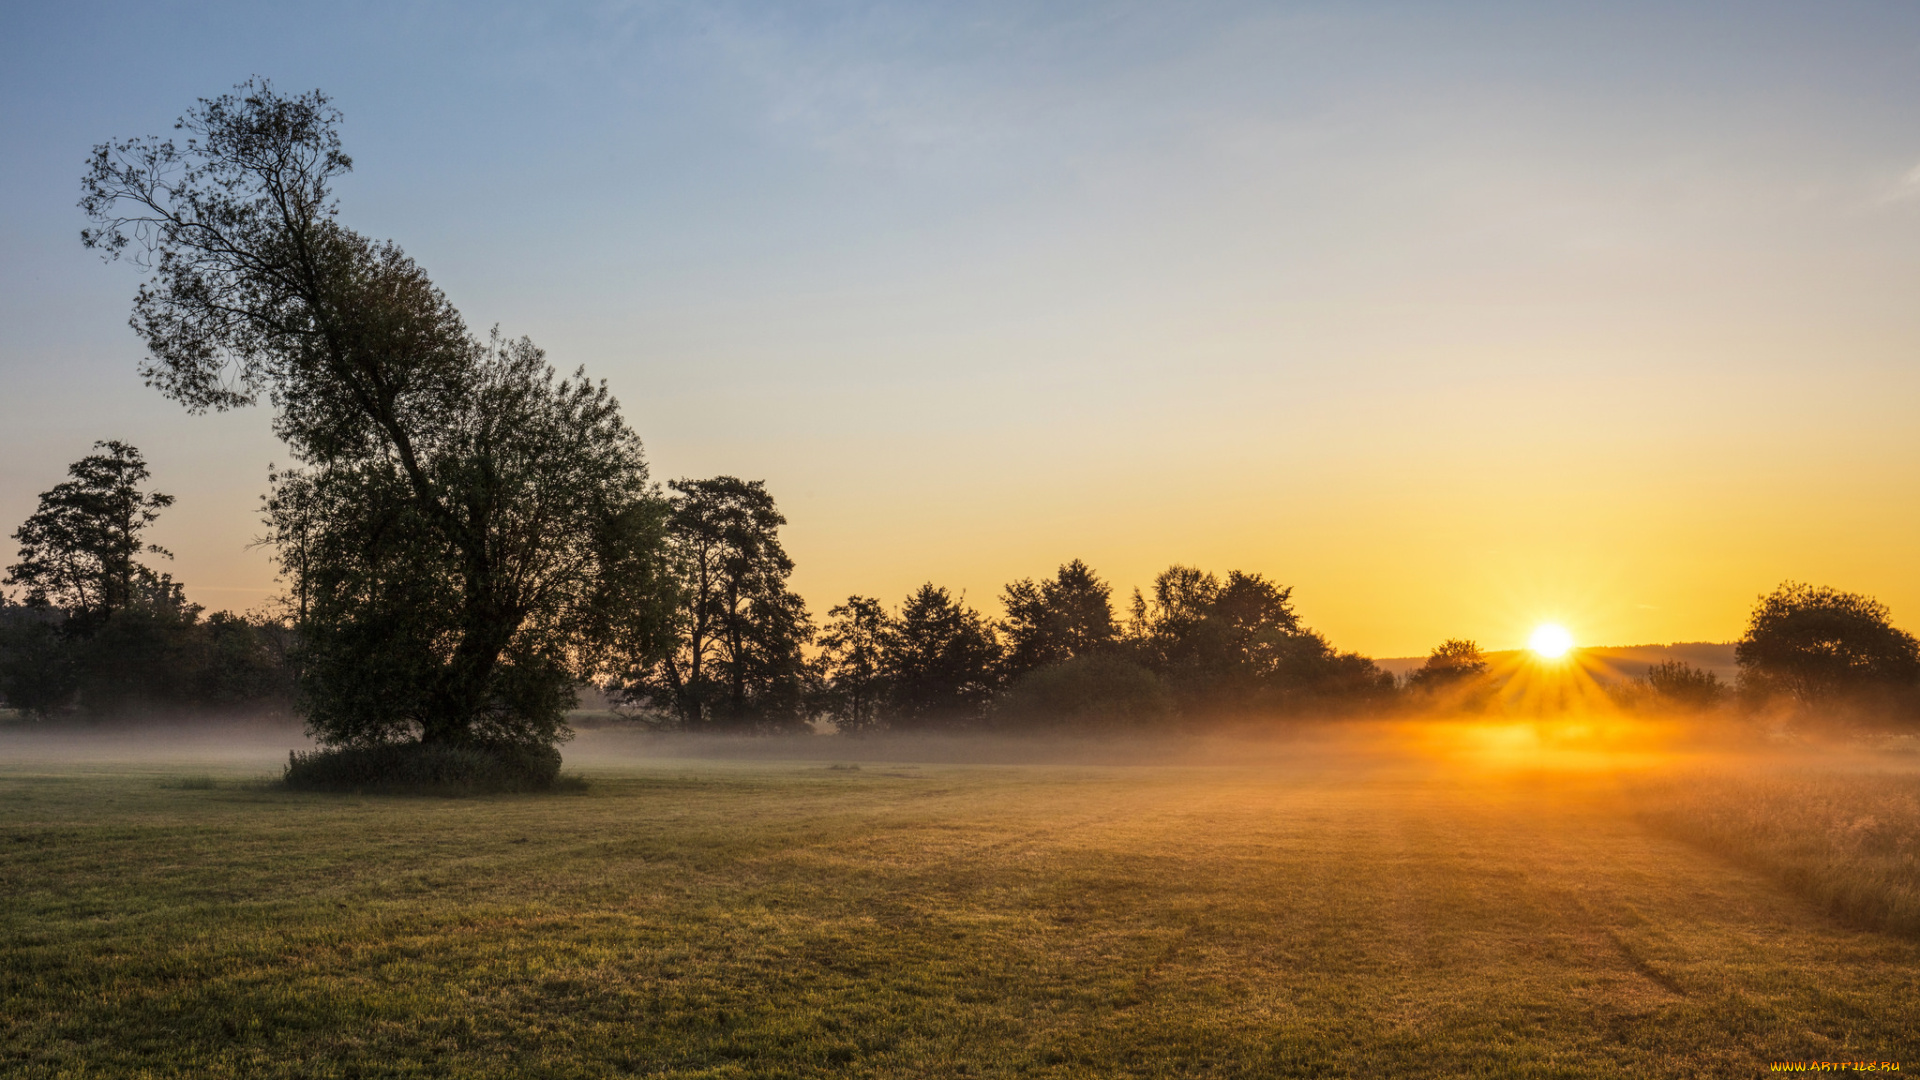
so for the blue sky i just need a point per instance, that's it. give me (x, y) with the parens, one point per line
(1453, 316)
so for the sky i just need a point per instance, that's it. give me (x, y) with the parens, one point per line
(1455, 318)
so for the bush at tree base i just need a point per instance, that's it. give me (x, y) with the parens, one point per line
(431, 768)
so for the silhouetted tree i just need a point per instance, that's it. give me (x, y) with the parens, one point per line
(1452, 663)
(1819, 645)
(942, 662)
(1057, 619)
(79, 551)
(1679, 683)
(737, 658)
(101, 632)
(1238, 646)
(470, 534)
(853, 652)
(113, 631)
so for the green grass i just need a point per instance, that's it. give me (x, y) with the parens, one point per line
(764, 920)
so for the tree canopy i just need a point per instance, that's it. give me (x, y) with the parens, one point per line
(942, 661)
(1819, 644)
(853, 657)
(103, 633)
(736, 658)
(1237, 645)
(1057, 619)
(80, 549)
(467, 533)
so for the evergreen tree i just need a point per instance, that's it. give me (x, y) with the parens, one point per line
(1057, 619)
(942, 662)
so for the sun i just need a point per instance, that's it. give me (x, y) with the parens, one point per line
(1550, 641)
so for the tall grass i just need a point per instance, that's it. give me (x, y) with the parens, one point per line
(1850, 843)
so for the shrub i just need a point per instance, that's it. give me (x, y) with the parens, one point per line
(426, 768)
(1681, 685)
(1099, 690)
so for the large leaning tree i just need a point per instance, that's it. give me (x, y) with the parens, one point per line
(467, 535)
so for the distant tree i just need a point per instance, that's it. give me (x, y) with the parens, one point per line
(1679, 683)
(102, 633)
(79, 551)
(1238, 646)
(853, 653)
(737, 659)
(1451, 663)
(1057, 619)
(1256, 621)
(1818, 645)
(243, 663)
(147, 655)
(1166, 628)
(469, 535)
(942, 662)
(1182, 598)
(112, 632)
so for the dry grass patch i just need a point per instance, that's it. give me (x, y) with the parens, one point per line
(1848, 841)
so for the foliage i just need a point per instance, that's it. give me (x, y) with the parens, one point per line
(468, 536)
(155, 655)
(101, 633)
(853, 650)
(1680, 684)
(472, 768)
(942, 662)
(1455, 676)
(1095, 691)
(1821, 645)
(1056, 619)
(1453, 661)
(405, 635)
(79, 549)
(738, 632)
(1238, 646)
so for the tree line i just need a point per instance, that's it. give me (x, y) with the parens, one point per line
(469, 536)
(747, 655)
(97, 630)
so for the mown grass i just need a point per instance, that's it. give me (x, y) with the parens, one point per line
(728, 920)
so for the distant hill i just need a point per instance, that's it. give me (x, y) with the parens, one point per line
(1612, 662)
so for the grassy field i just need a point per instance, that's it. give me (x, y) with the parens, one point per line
(1311, 915)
